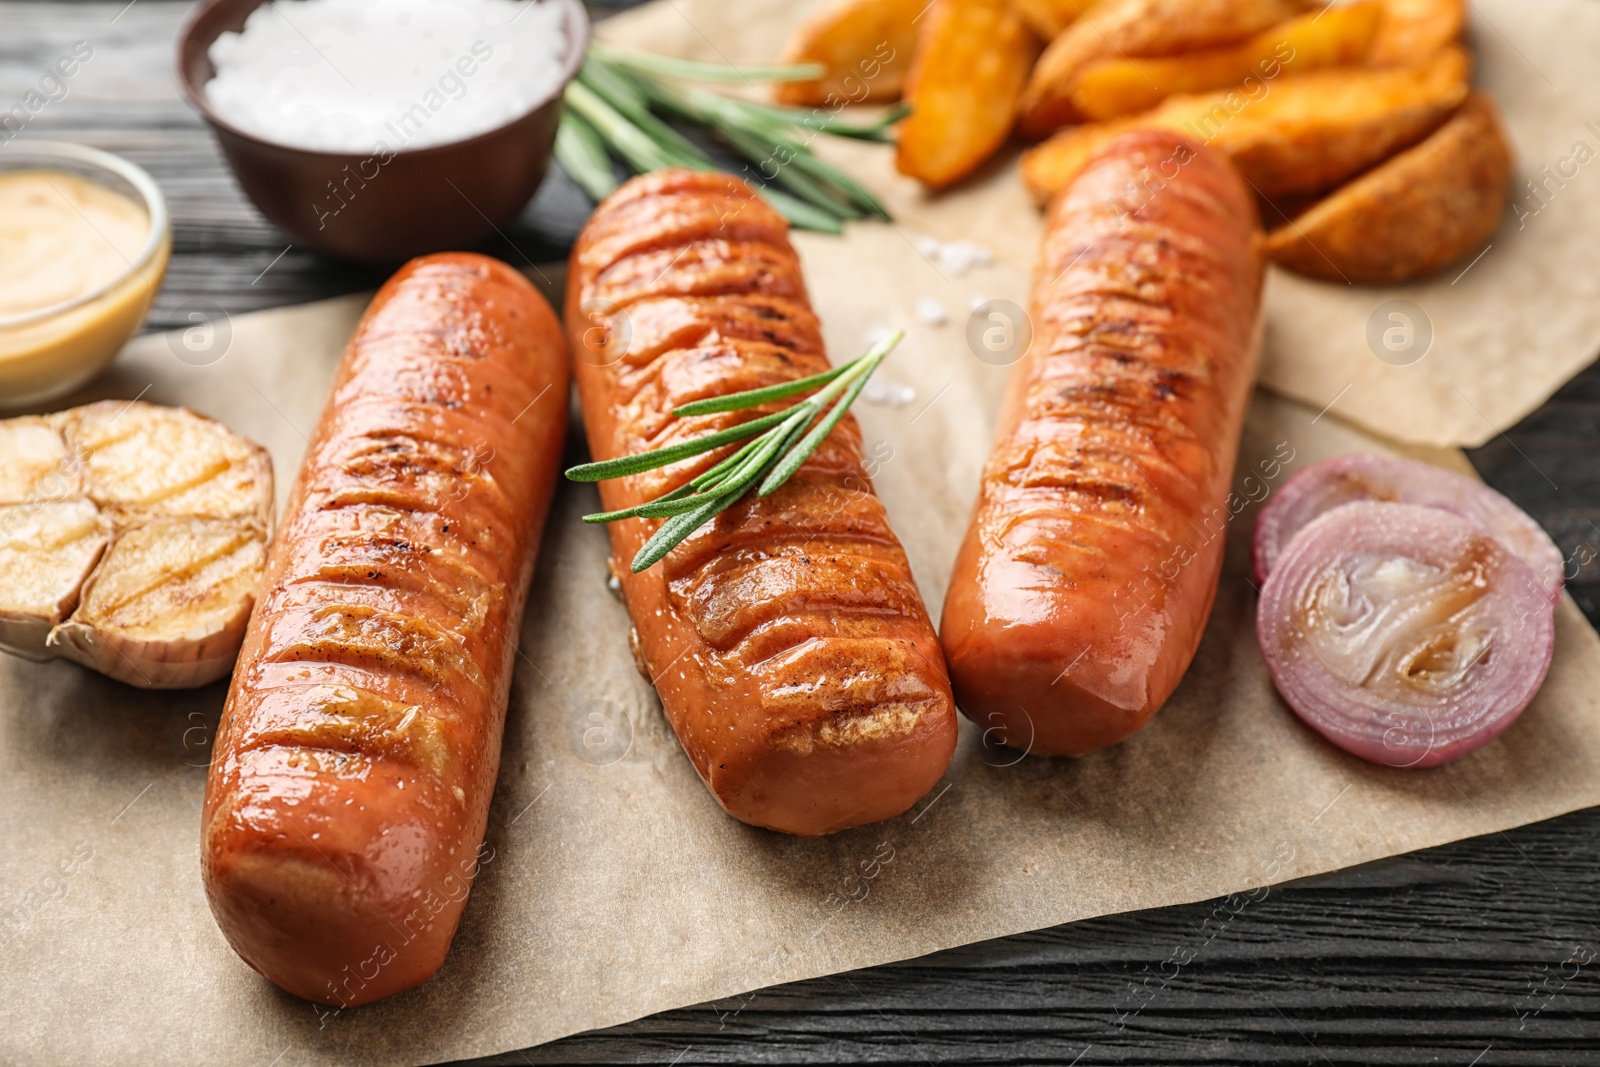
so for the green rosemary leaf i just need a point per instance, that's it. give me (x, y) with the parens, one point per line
(687, 489)
(582, 154)
(750, 398)
(688, 69)
(715, 474)
(674, 530)
(839, 180)
(818, 120)
(765, 153)
(641, 152)
(801, 214)
(619, 89)
(623, 466)
(662, 508)
(759, 135)
(625, 95)
(801, 452)
(601, 517)
(772, 444)
(769, 141)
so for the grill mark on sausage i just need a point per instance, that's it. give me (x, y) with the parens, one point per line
(828, 674)
(807, 509)
(712, 368)
(700, 269)
(460, 593)
(335, 632)
(349, 719)
(734, 594)
(666, 323)
(665, 218)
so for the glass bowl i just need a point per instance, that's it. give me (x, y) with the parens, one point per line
(53, 350)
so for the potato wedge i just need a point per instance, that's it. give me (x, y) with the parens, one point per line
(1429, 206)
(866, 45)
(1413, 30)
(1298, 136)
(1338, 36)
(972, 58)
(1047, 18)
(1136, 28)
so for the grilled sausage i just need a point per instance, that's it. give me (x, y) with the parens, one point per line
(350, 783)
(786, 637)
(1082, 588)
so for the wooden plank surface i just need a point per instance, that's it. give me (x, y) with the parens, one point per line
(1480, 953)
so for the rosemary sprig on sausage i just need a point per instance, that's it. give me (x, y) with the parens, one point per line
(764, 463)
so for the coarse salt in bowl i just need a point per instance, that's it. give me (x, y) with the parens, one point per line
(353, 75)
(377, 132)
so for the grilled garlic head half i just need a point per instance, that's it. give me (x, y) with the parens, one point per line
(132, 540)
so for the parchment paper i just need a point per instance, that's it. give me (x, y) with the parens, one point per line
(616, 886)
(1473, 349)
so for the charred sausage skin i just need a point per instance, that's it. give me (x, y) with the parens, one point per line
(792, 652)
(351, 778)
(1082, 588)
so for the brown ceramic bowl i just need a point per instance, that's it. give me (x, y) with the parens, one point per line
(422, 200)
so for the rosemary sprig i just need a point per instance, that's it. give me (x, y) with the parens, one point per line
(587, 99)
(786, 440)
(653, 63)
(582, 154)
(620, 96)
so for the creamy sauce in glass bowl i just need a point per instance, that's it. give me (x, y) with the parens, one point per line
(84, 244)
(63, 236)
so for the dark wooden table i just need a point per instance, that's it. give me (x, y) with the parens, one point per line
(1479, 953)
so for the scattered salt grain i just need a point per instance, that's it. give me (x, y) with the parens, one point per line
(953, 257)
(931, 312)
(887, 394)
(958, 257)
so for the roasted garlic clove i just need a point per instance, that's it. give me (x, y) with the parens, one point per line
(35, 462)
(144, 460)
(47, 550)
(167, 607)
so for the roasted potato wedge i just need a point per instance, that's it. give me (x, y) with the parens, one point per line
(972, 58)
(1413, 30)
(1429, 206)
(1337, 36)
(1137, 29)
(1298, 136)
(1047, 18)
(866, 45)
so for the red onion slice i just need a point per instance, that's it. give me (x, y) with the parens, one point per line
(1335, 482)
(1404, 634)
